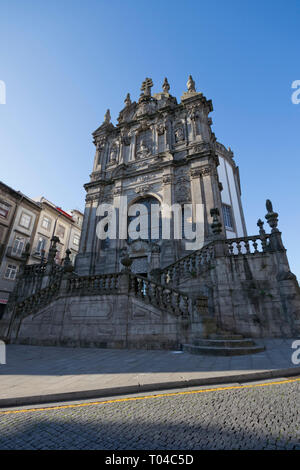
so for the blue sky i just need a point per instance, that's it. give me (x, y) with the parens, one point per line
(65, 62)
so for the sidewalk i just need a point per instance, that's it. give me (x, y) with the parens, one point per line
(34, 374)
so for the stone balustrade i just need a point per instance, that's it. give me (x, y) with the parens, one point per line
(101, 283)
(160, 296)
(38, 300)
(164, 297)
(194, 264)
(247, 245)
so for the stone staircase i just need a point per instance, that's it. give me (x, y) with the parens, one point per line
(223, 345)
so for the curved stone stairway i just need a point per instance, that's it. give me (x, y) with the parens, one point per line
(223, 345)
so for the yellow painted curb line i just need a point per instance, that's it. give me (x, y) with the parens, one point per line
(146, 397)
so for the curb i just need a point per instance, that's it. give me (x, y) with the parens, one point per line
(133, 389)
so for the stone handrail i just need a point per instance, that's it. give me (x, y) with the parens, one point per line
(99, 283)
(247, 245)
(38, 300)
(160, 296)
(194, 263)
(150, 291)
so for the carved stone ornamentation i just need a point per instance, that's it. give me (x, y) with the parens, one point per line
(113, 156)
(196, 172)
(100, 144)
(146, 87)
(166, 86)
(179, 134)
(107, 117)
(125, 139)
(216, 225)
(160, 129)
(205, 171)
(92, 197)
(193, 112)
(117, 191)
(200, 148)
(144, 189)
(143, 151)
(167, 179)
(272, 217)
(182, 193)
(191, 85)
(127, 100)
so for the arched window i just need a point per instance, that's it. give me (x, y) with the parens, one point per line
(149, 223)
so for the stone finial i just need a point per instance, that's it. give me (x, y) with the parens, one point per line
(126, 261)
(127, 100)
(216, 225)
(53, 250)
(191, 85)
(107, 117)
(272, 217)
(260, 224)
(146, 87)
(166, 86)
(67, 262)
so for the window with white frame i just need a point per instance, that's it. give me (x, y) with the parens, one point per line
(11, 272)
(40, 245)
(76, 240)
(4, 209)
(46, 223)
(25, 220)
(61, 231)
(18, 246)
(227, 216)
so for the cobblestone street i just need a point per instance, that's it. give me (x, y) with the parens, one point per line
(253, 417)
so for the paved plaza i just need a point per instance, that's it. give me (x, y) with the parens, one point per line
(34, 374)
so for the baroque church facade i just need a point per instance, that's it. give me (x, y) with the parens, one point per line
(155, 291)
(162, 152)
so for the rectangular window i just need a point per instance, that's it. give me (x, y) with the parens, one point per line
(61, 231)
(76, 240)
(227, 215)
(18, 246)
(40, 245)
(25, 220)
(46, 223)
(4, 209)
(11, 271)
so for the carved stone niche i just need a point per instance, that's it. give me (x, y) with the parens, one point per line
(161, 128)
(114, 153)
(179, 133)
(144, 143)
(193, 112)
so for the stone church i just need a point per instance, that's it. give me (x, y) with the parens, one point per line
(160, 152)
(152, 290)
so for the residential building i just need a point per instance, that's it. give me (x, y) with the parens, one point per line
(26, 221)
